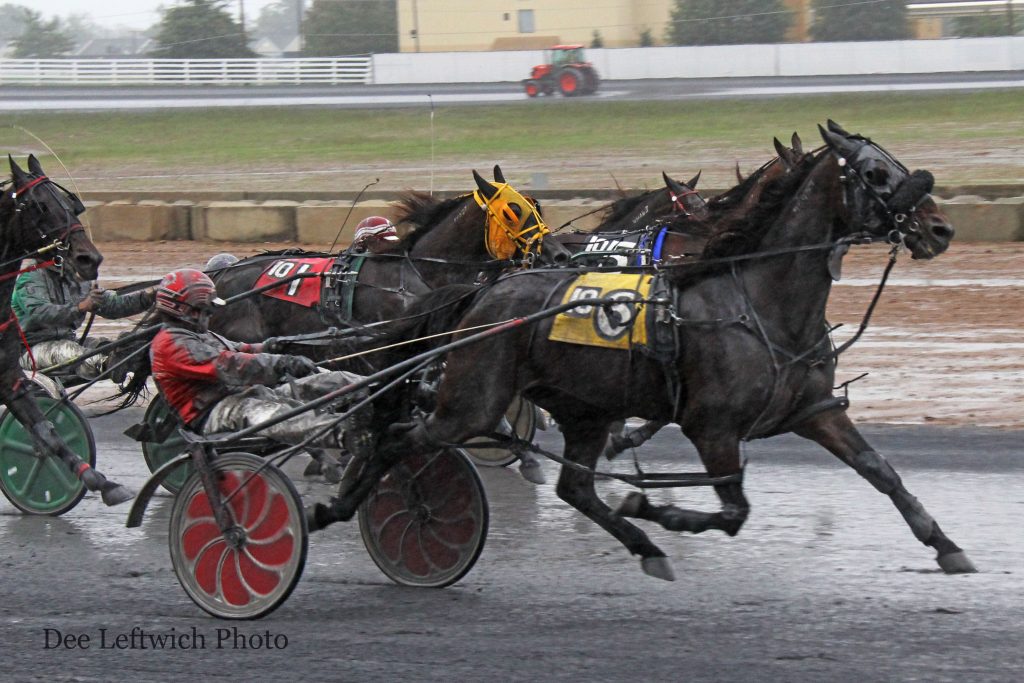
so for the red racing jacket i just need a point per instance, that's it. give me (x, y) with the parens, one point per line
(193, 371)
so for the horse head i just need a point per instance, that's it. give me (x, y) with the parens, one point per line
(883, 198)
(685, 198)
(39, 217)
(514, 223)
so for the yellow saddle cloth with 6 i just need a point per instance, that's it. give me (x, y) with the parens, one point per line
(619, 325)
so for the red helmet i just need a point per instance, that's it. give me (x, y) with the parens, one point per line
(185, 294)
(375, 228)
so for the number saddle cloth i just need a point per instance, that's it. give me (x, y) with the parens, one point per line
(630, 322)
(329, 284)
(626, 248)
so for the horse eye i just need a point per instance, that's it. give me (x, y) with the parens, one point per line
(877, 176)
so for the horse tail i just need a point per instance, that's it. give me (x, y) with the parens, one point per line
(139, 366)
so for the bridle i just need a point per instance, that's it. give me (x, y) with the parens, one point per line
(59, 238)
(677, 201)
(900, 220)
(507, 230)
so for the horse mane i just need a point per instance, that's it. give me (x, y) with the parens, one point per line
(621, 207)
(422, 211)
(733, 231)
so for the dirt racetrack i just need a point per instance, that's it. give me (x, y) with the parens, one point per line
(944, 346)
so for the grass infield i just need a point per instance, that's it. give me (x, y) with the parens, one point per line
(623, 138)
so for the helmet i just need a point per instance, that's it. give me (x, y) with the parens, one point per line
(186, 294)
(375, 228)
(220, 261)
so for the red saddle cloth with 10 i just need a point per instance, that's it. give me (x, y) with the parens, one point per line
(304, 291)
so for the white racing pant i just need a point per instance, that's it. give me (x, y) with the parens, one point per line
(59, 351)
(258, 404)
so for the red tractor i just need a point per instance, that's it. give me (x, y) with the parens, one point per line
(565, 71)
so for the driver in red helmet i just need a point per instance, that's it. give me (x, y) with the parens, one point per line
(374, 234)
(216, 385)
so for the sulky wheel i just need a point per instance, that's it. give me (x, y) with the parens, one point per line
(159, 453)
(521, 416)
(43, 485)
(425, 523)
(250, 571)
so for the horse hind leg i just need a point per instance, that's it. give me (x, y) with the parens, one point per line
(46, 438)
(621, 440)
(583, 446)
(834, 431)
(720, 456)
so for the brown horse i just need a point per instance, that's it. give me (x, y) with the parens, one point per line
(752, 358)
(39, 219)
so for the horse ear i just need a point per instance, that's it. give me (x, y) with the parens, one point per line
(784, 154)
(34, 166)
(797, 144)
(692, 182)
(837, 143)
(19, 175)
(486, 189)
(739, 176)
(499, 177)
(837, 129)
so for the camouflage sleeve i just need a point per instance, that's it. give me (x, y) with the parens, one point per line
(116, 305)
(237, 367)
(35, 311)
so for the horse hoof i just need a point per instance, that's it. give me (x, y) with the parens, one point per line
(956, 563)
(332, 473)
(610, 451)
(658, 567)
(632, 504)
(115, 494)
(316, 517)
(312, 469)
(531, 471)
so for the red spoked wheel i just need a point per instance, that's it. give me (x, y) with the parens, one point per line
(249, 571)
(426, 522)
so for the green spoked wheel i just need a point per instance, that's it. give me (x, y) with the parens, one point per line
(426, 522)
(521, 417)
(251, 571)
(159, 453)
(43, 485)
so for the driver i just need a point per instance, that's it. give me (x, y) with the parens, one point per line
(216, 385)
(51, 303)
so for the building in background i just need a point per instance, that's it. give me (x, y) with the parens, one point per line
(469, 25)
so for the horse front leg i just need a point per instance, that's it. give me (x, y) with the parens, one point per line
(583, 445)
(721, 457)
(25, 410)
(835, 431)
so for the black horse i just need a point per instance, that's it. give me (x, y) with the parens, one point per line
(753, 356)
(39, 219)
(454, 241)
(641, 229)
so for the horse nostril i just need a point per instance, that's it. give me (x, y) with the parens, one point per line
(943, 231)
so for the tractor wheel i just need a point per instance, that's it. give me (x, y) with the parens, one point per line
(532, 88)
(570, 81)
(593, 81)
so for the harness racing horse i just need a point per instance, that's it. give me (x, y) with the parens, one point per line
(753, 359)
(39, 219)
(451, 242)
(638, 230)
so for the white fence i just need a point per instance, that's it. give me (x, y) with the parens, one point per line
(714, 61)
(718, 61)
(305, 71)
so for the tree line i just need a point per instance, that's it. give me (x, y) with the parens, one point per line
(196, 29)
